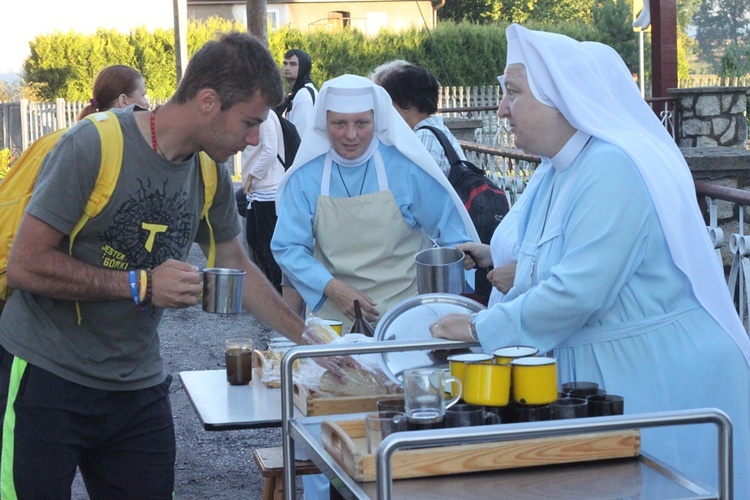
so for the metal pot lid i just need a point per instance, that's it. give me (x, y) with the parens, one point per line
(410, 320)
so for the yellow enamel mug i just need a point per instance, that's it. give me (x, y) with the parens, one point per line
(336, 326)
(458, 364)
(534, 380)
(487, 383)
(507, 354)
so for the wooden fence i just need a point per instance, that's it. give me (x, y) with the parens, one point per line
(39, 118)
(714, 81)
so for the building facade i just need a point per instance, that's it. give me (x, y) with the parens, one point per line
(367, 16)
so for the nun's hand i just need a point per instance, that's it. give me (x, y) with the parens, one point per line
(502, 277)
(345, 295)
(452, 327)
(476, 255)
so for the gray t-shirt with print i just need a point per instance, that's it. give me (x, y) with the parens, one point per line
(153, 215)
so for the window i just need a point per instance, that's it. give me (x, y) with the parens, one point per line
(339, 19)
(273, 19)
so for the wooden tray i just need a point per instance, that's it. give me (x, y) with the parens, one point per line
(311, 403)
(345, 441)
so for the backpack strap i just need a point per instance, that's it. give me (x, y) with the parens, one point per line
(457, 164)
(312, 93)
(110, 137)
(450, 153)
(210, 181)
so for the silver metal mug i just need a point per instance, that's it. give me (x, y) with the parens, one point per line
(222, 290)
(440, 270)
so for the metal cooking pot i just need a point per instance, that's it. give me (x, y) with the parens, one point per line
(222, 290)
(440, 270)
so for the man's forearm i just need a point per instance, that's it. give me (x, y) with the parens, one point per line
(54, 274)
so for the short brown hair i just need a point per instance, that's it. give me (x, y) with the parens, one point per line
(237, 67)
(410, 86)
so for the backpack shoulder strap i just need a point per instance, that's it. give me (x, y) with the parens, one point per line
(110, 137)
(210, 181)
(312, 93)
(450, 153)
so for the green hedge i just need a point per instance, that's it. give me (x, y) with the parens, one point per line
(65, 64)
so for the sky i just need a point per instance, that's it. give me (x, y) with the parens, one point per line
(26, 19)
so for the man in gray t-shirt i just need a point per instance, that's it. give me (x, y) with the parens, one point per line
(93, 393)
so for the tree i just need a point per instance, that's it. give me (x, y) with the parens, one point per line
(66, 64)
(735, 62)
(475, 11)
(8, 92)
(687, 48)
(545, 11)
(517, 11)
(722, 24)
(613, 22)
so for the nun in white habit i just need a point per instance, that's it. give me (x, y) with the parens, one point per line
(615, 271)
(362, 198)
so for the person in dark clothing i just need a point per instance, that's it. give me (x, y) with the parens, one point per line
(298, 106)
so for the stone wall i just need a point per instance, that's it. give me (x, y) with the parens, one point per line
(711, 116)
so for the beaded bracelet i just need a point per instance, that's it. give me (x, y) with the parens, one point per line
(143, 284)
(134, 286)
(149, 286)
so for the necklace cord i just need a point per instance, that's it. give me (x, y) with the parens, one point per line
(361, 187)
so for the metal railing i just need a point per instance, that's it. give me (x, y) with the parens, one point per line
(665, 109)
(738, 277)
(509, 168)
(496, 131)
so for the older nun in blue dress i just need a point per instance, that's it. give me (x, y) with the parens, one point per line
(615, 271)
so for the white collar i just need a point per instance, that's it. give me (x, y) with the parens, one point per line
(570, 151)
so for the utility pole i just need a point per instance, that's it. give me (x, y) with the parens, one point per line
(180, 36)
(257, 19)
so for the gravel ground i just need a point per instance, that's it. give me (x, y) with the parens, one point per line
(210, 464)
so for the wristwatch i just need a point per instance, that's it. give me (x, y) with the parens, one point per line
(473, 327)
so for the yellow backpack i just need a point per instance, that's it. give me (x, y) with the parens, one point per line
(18, 185)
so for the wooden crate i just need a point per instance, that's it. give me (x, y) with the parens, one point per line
(346, 442)
(310, 403)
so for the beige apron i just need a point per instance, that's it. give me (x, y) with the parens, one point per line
(365, 242)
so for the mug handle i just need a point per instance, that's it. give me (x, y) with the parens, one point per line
(447, 382)
(491, 418)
